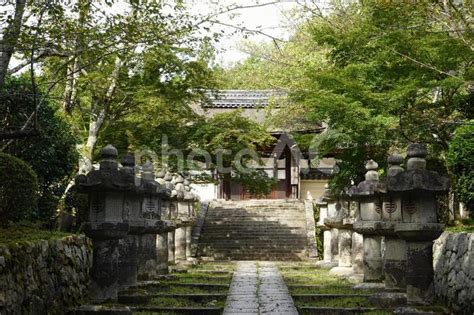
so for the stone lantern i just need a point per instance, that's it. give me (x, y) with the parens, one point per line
(331, 236)
(162, 243)
(190, 199)
(322, 204)
(340, 222)
(106, 188)
(368, 195)
(172, 211)
(417, 188)
(152, 194)
(183, 232)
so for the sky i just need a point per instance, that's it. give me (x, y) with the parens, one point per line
(272, 19)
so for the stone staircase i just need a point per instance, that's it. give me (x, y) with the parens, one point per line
(254, 230)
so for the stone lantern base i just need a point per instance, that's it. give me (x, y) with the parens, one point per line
(419, 266)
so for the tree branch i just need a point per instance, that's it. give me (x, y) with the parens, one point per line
(426, 65)
(244, 29)
(44, 53)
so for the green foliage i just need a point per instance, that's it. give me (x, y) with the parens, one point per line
(51, 152)
(18, 189)
(380, 74)
(231, 139)
(460, 160)
(255, 182)
(231, 143)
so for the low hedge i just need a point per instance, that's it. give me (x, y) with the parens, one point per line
(18, 189)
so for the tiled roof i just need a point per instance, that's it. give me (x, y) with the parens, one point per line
(317, 173)
(241, 98)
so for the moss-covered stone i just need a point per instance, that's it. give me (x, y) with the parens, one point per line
(43, 275)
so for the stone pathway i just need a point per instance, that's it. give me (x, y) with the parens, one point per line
(258, 289)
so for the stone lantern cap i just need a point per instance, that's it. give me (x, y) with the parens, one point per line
(107, 178)
(105, 184)
(417, 177)
(370, 186)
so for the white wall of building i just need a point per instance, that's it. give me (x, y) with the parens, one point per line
(205, 191)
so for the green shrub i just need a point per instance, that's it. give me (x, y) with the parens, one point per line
(461, 163)
(51, 153)
(18, 189)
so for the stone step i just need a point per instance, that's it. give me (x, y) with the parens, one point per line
(257, 208)
(248, 219)
(253, 230)
(253, 235)
(254, 214)
(261, 257)
(253, 247)
(263, 254)
(250, 253)
(288, 229)
(255, 217)
(257, 238)
(232, 246)
(212, 235)
(256, 224)
(260, 210)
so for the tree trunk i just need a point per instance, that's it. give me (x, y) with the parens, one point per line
(73, 68)
(96, 121)
(97, 118)
(10, 39)
(70, 90)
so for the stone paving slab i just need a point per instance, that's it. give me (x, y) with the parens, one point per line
(258, 290)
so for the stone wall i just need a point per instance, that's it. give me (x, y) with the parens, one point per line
(453, 262)
(44, 276)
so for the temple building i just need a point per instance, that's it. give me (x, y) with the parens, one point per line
(300, 175)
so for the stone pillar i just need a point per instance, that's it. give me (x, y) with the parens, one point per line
(189, 235)
(327, 246)
(357, 254)
(147, 256)
(323, 214)
(419, 272)
(372, 259)
(104, 273)
(345, 239)
(344, 245)
(333, 216)
(128, 261)
(395, 264)
(334, 245)
(171, 247)
(162, 252)
(180, 244)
